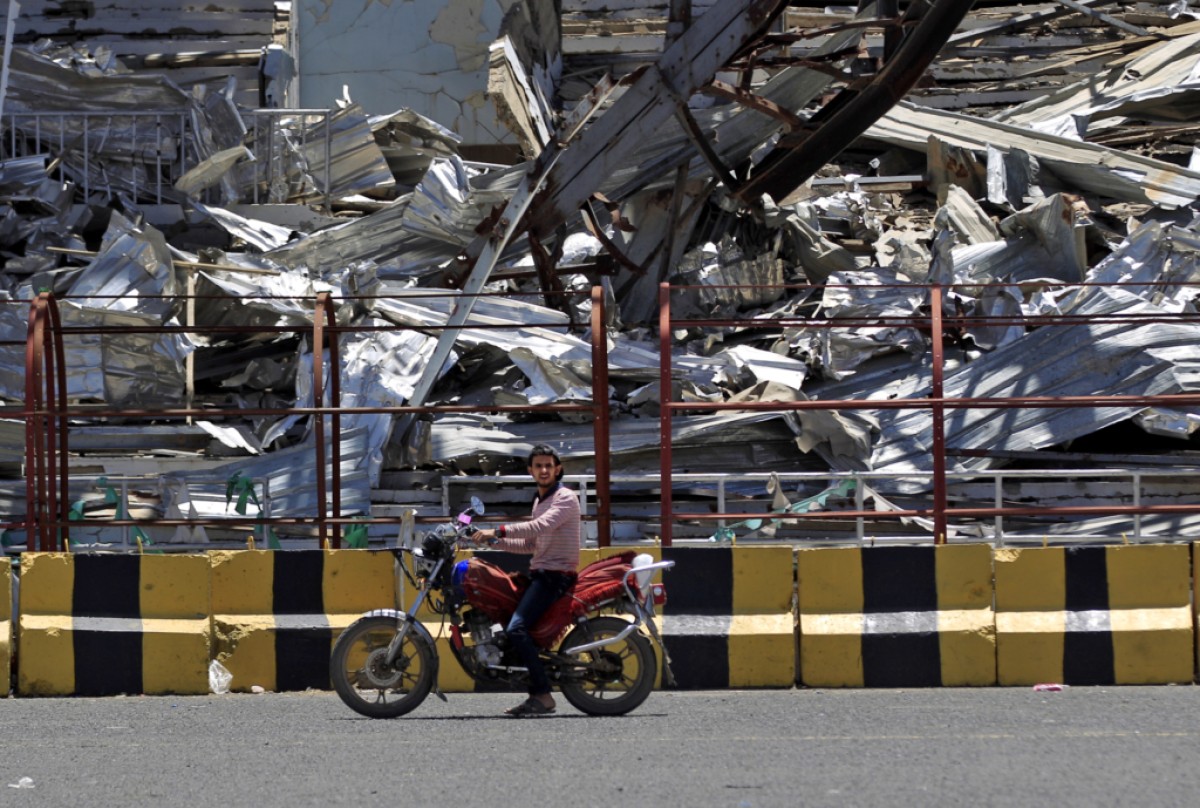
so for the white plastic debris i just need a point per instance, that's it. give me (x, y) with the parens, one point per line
(219, 677)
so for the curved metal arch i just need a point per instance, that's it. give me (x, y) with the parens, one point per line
(46, 492)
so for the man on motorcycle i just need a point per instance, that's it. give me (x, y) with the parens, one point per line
(551, 536)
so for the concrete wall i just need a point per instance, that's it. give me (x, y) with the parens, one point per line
(431, 57)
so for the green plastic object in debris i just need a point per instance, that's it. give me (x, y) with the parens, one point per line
(111, 497)
(243, 488)
(729, 533)
(356, 537)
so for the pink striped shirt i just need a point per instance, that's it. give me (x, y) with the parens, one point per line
(551, 534)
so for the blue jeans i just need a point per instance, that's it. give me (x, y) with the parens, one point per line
(545, 588)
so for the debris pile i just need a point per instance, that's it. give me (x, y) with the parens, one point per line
(1056, 178)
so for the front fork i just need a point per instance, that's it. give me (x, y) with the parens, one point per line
(405, 625)
(397, 642)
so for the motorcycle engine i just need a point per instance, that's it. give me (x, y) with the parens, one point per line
(480, 628)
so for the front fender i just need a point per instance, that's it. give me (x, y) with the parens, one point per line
(419, 627)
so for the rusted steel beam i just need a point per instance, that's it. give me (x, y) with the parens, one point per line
(802, 153)
(722, 89)
(938, 410)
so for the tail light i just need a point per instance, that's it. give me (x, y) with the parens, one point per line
(658, 592)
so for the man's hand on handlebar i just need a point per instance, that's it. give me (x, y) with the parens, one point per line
(483, 537)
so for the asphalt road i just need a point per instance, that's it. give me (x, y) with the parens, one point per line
(1135, 746)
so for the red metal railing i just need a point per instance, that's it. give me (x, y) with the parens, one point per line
(937, 324)
(46, 415)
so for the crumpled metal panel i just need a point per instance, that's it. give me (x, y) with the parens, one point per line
(124, 370)
(1160, 82)
(356, 163)
(128, 283)
(715, 269)
(626, 358)
(39, 83)
(379, 369)
(132, 271)
(877, 294)
(1108, 173)
(410, 238)
(410, 142)
(1043, 241)
(454, 438)
(1071, 360)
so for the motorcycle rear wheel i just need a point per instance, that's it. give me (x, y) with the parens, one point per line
(366, 683)
(614, 679)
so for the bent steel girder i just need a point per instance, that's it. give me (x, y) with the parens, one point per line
(688, 64)
(800, 153)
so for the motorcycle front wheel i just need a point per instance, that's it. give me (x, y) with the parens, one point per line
(364, 680)
(611, 680)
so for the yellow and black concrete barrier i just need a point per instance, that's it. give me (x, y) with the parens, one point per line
(1094, 615)
(277, 613)
(896, 616)
(6, 628)
(728, 618)
(103, 625)
(1196, 598)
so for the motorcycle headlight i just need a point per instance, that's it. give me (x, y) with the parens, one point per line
(431, 547)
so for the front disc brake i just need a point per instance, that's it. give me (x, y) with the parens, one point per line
(377, 673)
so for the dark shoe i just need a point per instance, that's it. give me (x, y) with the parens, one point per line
(530, 706)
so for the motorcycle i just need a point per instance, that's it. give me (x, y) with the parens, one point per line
(386, 663)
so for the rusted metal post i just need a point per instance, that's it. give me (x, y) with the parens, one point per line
(600, 417)
(46, 495)
(664, 409)
(325, 311)
(35, 428)
(937, 410)
(56, 381)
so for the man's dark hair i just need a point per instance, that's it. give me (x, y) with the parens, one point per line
(542, 450)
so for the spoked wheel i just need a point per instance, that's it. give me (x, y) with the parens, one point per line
(364, 680)
(614, 679)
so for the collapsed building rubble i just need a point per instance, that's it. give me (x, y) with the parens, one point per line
(761, 157)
